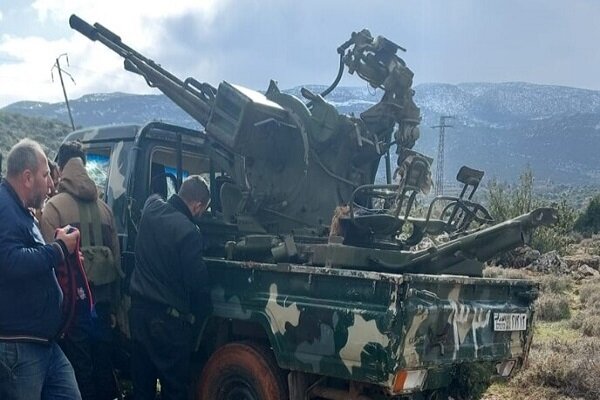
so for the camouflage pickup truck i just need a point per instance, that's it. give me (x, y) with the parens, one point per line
(322, 284)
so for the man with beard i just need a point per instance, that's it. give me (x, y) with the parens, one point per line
(32, 365)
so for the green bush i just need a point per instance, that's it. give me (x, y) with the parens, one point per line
(553, 307)
(14, 127)
(589, 221)
(558, 236)
(505, 201)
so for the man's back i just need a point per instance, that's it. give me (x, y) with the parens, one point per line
(88, 340)
(168, 252)
(75, 190)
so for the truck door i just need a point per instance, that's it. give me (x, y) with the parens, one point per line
(164, 158)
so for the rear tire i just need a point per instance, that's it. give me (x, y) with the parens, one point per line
(242, 371)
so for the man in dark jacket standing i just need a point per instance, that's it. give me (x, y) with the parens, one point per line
(168, 289)
(32, 365)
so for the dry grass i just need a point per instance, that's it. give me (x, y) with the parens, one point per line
(588, 319)
(591, 326)
(555, 284)
(589, 294)
(568, 368)
(506, 273)
(552, 307)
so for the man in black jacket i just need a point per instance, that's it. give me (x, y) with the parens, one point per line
(168, 289)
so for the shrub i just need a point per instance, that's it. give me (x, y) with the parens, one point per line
(557, 236)
(589, 293)
(555, 284)
(570, 369)
(505, 201)
(553, 307)
(577, 321)
(591, 325)
(589, 221)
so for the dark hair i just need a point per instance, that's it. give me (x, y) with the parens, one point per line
(23, 156)
(194, 188)
(69, 150)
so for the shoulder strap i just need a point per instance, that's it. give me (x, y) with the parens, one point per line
(91, 223)
(96, 223)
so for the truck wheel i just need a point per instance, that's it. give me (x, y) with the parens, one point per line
(242, 371)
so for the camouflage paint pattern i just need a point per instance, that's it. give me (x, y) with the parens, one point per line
(366, 326)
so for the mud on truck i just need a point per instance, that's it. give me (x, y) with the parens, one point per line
(321, 287)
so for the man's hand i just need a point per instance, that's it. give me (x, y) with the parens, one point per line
(69, 239)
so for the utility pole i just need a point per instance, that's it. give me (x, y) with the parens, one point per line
(439, 173)
(60, 75)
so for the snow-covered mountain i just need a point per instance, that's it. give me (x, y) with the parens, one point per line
(498, 127)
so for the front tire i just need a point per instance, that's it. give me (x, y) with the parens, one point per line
(242, 371)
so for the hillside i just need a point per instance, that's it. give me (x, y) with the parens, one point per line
(500, 128)
(14, 127)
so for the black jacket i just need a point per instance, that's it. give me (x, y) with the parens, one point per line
(169, 268)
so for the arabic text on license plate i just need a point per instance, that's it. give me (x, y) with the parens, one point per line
(510, 321)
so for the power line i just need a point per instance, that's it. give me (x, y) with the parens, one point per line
(60, 75)
(439, 174)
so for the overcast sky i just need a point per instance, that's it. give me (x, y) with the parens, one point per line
(294, 41)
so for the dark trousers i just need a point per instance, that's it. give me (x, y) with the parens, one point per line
(91, 360)
(77, 347)
(161, 349)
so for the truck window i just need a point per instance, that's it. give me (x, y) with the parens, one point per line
(97, 166)
(163, 170)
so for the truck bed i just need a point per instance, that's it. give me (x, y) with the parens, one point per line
(367, 326)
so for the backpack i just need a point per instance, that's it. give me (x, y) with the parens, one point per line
(99, 264)
(77, 305)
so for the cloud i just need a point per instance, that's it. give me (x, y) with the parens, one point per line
(26, 60)
(251, 41)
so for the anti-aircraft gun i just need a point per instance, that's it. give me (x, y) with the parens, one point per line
(319, 280)
(292, 162)
(289, 164)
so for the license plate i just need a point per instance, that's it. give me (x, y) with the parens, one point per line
(510, 322)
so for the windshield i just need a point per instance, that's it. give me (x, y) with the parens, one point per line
(97, 167)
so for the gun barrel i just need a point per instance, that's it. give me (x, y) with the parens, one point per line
(83, 27)
(196, 99)
(480, 245)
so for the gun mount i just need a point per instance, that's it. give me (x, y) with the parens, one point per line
(292, 162)
(291, 165)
